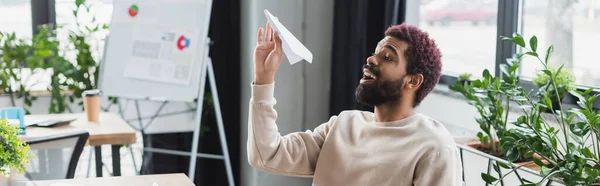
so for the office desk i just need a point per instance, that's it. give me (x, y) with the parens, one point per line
(145, 180)
(111, 130)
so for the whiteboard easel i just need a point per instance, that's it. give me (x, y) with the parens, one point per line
(113, 82)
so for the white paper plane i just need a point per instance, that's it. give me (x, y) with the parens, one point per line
(294, 50)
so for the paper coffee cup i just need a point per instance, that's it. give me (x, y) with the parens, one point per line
(91, 104)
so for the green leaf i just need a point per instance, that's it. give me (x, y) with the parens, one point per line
(79, 3)
(533, 42)
(518, 39)
(496, 168)
(545, 171)
(104, 26)
(592, 99)
(526, 180)
(538, 162)
(548, 53)
(513, 68)
(532, 54)
(486, 73)
(486, 140)
(488, 179)
(548, 102)
(521, 119)
(504, 69)
(579, 114)
(506, 38)
(588, 91)
(576, 138)
(558, 71)
(571, 148)
(554, 143)
(42, 53)
(537, 146)
(512, 154)
(588, 153)
(519, 98)
(503, 165)
(581, 100)
(551, 129)
(497, 84)
(508, 139)
(528, 154)
(547, 72)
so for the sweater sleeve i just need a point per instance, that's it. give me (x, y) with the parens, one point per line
(440, 168)
(294, 154)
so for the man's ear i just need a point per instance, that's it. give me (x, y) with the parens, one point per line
(415, 81)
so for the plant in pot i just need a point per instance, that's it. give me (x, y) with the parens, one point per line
(571, 152)
(14, 154)
(490, 96)
(78, 71)
(14, 57)
(564, 80)
(464, 78)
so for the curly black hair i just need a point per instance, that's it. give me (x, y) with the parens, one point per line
(422, 55)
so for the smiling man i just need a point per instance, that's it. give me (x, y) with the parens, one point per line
(395, 145)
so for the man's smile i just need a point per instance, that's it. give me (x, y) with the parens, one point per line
(368, 76)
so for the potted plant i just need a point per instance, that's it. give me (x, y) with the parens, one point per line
(14, 55)
(571, 151)
(564, 80)
(14, 154)
(70, 75)
(490, 96)
(464, 78)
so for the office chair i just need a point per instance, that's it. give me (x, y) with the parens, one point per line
(55, 157)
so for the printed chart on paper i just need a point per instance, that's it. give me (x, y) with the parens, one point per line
(158, 52)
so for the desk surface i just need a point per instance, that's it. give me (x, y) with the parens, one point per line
(145, 180)
(111, 130)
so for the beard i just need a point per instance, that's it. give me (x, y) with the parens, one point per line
(379, 93)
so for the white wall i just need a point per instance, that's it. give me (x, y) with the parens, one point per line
(310, 21)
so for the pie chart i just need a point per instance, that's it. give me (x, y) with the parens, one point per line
(133, 10)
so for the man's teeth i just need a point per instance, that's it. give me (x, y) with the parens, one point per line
(369, 76)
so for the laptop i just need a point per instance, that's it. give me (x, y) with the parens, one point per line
(49, 123)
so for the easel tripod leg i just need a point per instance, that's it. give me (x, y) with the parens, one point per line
(217, 106)
(196, 136)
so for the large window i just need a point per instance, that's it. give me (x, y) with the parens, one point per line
(15, 16)
(465, 31)
(573, 28)
(91, 14)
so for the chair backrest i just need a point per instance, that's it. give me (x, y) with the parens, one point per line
(55, 157)
(14, 115)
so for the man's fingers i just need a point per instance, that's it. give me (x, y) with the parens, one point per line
(269, 32)
(277, 42)
(260, 36)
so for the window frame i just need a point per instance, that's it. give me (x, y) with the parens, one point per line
(509, 22)
(42, 12)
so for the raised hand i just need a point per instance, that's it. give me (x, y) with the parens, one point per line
(267, 56)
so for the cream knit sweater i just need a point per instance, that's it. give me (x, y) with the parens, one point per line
(352, 149)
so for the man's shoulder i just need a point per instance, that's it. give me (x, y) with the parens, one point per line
(355, 114)
(436, 133)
